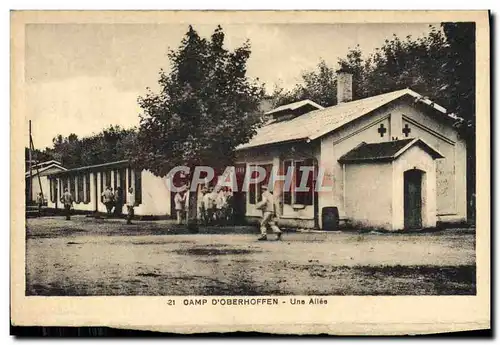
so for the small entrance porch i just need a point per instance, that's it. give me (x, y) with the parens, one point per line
(391, 185)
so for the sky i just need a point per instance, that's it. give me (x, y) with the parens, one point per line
(81, 78)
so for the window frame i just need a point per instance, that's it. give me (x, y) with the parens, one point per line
(107, 178)
(254, 189)
(115, 179)
(129, 177)
(72, 186)
(290, 198)
(80, 183)
(101, 177)
(51, 183)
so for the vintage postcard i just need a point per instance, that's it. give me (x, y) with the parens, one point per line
(282, 172)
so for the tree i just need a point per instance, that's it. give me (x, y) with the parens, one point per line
(398, 64)
(318, 85)
(354, 64)
(440, 66)
(112, 144)
(460, 69)
(460, 86)
(37, 156)
(66, 150)
(207, 106)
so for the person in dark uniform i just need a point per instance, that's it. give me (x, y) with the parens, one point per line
(118, 201)
(108, 200)
(39, 202)
(67, 200)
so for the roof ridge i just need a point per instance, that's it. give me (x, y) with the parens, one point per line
(314, 124)
(292, 104)
(355, 101)
(385, 150)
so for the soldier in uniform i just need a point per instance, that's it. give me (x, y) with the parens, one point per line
(118, 198)
(180, 206)
(209, 204)
(39, 202)
(268, 207)
(130, 205)
(108, 200)
(67, 201)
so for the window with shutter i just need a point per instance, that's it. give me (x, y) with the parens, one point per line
(87, 188)
(79, 182)
(107, 175)
(51, 181)
(138, 186)
(252, 188)
(72, 186)
(287, 194)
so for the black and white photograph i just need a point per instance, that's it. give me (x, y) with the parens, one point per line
(237, 160)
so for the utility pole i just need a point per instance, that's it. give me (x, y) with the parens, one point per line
(29, 196)
(32, 147)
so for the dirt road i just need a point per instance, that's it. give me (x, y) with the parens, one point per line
(89, 257)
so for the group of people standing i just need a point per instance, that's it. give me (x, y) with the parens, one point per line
(214, 207)
(114, 202)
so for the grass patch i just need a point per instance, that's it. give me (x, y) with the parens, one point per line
(399, 280)
(213, 251)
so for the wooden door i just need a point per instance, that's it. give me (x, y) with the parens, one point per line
(413, 199)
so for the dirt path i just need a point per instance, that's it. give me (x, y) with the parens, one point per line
(82, 257)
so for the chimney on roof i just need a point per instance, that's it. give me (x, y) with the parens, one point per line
(344, 86)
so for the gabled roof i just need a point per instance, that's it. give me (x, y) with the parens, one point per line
(43, 164)
(43, 167)
(385, 151)
(104, 166)
(317, 123)
(295, 105)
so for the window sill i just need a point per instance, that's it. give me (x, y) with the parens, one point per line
(298, 206)
(296, 217)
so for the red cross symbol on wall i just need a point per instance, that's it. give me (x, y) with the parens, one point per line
(406, 130)
(382, 130)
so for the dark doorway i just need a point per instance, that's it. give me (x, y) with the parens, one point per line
(56, 193)
(123, 184)
(172, 205)
(413, 199)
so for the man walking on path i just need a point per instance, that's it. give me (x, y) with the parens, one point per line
(130, 205)
(267, 205)
(39, 202)
(67, 201)
(108, 200)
